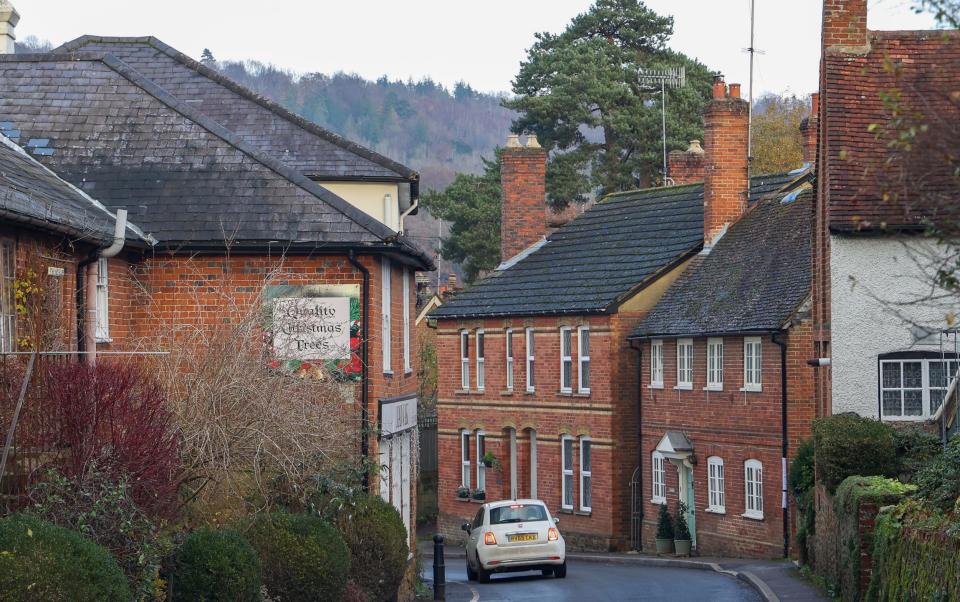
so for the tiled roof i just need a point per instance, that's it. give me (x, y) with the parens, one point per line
(258, 121)
(184, 178)
(924, 66)
(33, 195)
(753, 279)
(599, 258)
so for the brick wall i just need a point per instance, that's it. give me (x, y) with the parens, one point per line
(687, 167)
(725, 138)
(836, 536)
(523, 172)
(809, 127)
(844, 23)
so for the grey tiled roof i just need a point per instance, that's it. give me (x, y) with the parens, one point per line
(753, 280)
(258, 121)
(184, 178)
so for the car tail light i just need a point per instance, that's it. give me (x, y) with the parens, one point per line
(489, 539)
(553, 534)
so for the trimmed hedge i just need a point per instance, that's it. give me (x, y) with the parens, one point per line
(302, 557)
(216, 565)
(846, 445)
(374, 532)
(40, 561)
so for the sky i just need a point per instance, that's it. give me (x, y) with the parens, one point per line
(481, 43)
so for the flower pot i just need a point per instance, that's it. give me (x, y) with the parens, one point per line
(664, 546)
(682, 546)
(488, 463)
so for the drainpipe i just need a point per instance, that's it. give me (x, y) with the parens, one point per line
(783, 444)
(411, 209)
(88, 329)
(365, 382)
(640, 454)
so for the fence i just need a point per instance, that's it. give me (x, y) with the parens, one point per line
(428, 442)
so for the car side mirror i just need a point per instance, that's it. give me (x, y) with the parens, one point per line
(465, 527)
(556, 520)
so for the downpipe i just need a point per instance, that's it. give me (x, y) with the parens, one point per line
(87, 289)
(784, 498)
(365, 375)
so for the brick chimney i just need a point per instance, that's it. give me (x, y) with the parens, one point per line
(9, 17)
(686, 167)
(808, 130)
(725, 182)
(845, 25)
(523, 172)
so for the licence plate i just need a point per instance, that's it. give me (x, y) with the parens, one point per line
(523, 537)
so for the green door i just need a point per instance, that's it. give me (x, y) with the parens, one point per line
(691, 514)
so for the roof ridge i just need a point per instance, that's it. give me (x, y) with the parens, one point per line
(298, 120)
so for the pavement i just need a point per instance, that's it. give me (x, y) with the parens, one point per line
(613, 576)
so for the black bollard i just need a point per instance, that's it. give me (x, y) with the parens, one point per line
(439, 572)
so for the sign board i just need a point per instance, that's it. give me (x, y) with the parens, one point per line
(311, 328)
(398, 416)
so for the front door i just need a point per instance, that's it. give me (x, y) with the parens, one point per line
(685, 494)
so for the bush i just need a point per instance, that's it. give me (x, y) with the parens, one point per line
(302, 557)
(681, 531)
(374, 532)
(41, 561)
(847, 445)
(102, 509)
(915, 448)
(664, 523)
(938, 481)
(216, 565)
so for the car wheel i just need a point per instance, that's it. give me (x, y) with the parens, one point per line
(471, 574)
(560, 571)
(546, 572)
(483, 575)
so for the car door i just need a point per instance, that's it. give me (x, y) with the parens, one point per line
(476, 532)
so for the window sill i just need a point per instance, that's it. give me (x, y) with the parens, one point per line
(715, 510)
(107, 340)
(565, 393)
(566, 510)
(507, 393)
(751, 389)
(714, 388)
(408, 372)
(683, 388)
(388, 373)
(655, 386)
(758, 517)
(530, 392)
(584, 512)
(658, 501)
(462, 499)
(468, 392)
(584, 393)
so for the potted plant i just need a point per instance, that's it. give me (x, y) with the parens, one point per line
(664, 531)
(463, 492)
(479, 495)
(490, 461)
(681, 533)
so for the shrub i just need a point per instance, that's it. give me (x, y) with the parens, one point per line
(102, 509)
(915, 448)
(939, 480)
(681, 531)
(41, 561)
(802, 481)
(216, 565)
(374, 532)
(847, 445)
(302, 557)
(664, 523)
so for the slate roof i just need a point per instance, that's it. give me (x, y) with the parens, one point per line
(599, 258)
(258, 121)
(753, 280)
(928, 67)
(33, 195)
(184, 178)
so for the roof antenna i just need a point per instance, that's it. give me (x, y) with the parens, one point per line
(752, 50)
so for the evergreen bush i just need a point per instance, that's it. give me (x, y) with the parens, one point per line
(374, 532)
(216, 566)
(847, 445)
(939, 480)
(916, 447)
(664, 523)
(41, 561)
(681, 531)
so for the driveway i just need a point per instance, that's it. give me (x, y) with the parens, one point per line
(590, 581)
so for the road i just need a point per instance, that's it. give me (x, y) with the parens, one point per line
(596, 581)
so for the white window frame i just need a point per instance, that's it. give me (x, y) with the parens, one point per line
(533, 464)
(508, 361)
(480, 345)
(586, 474)
(102, 333)
(465, 360)
(658, 474)
(656, 364)
(714, 364)
(407, 364)
(530, 350)
(566, 473)
(8, 302)
(684, 364)
(752, 364)
(716, 501)
(753, 489)
(566, 360)
(481, 469)
(583, 360)
(465, 458)
(385, 326)
(926, 387)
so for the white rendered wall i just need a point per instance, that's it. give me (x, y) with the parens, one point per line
(881, 289)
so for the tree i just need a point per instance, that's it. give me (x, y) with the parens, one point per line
(207, 58)
(777, 141)
(472, 204)
(580, 93)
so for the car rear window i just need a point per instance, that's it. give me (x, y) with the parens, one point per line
(517, 513)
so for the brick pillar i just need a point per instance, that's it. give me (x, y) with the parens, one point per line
(523, 173)
(845, 24)
(809, 128)
(687, 167)
(725, 181)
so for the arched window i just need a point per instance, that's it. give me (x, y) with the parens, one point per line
(715, 495)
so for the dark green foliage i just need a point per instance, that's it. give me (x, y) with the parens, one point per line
(579, 92)
(302, 557)
(664, 523)
(374, 532)
(802, 483)
(915, 448)
(681, 530)
(40, 561)
(847, 445)
(216, 565)
(939, 480)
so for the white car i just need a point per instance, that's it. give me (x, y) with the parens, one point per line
(514, 535)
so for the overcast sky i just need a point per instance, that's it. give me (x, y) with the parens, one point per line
(481, 43)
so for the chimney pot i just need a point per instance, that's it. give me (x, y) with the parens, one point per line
(719, 88)
(734, 90)
(513, 141)
(9, 17)
(532, 141)
(695, 147)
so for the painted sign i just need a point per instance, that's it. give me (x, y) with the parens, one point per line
(398, 416)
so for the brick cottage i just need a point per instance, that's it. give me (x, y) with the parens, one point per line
(534, 363)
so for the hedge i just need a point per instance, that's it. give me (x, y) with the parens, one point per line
(214, 565)
(41, 561)
(377, 538)
(846, 445)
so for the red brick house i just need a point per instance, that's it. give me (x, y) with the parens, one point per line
(534, 363)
